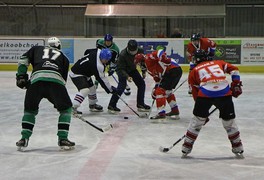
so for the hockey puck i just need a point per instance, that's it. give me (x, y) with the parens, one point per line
(125, 117)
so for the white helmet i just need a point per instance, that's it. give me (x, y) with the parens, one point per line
(54, 42)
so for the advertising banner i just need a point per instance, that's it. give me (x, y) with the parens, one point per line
(228, 50)
(252, 52)
(12, 49)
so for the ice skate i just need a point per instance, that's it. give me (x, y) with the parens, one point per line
(127, 91)
(158, 117)
(66, 144)
(238, 154)
(185, 154)
(173, 115)
(95, 108)
(22, 144)
(143, 108)
(75, 111)
(113, 110)
(185, 151)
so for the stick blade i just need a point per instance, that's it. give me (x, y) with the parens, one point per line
(163, 149)
(109, 127)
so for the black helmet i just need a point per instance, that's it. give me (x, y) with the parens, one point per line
(200, 55)
(195, 37)
(132, 47)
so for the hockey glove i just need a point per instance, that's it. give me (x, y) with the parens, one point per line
(236, 88)
(166, 61)
(112, 69)
(153, 93)
(22, 81)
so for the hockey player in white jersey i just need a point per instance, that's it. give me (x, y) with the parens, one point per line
(92, 64)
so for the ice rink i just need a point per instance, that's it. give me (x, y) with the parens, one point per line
(130, 151)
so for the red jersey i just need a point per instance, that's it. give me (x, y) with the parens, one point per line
(157, 67)
(205, 44)
(208, 79)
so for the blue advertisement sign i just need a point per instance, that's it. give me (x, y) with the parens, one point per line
(68, 48)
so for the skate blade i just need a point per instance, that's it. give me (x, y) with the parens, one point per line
(21, 148)
(112, 112)
(157, 121)
(143, 110)
(185, 156)
(96, 110)
(174, 117)
(239, 156)
(66, 148)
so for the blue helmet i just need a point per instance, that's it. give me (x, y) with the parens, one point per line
(108, 37)
(105, 54)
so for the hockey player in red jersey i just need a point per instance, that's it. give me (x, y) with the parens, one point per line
(198, 43)
(210, 87)
(166, 74)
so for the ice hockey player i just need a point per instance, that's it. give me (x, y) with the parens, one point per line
(91, 64)
(127, 71)
(108, 42)
(198, 42)
(210, 87)
(166, 74)
(48, 78)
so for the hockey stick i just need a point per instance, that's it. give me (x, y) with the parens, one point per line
(127, 90)
(163, 149)
(115, 79)
(151, 108)
(169, 95)
(107, 128)
(179, 86)
(141, 116)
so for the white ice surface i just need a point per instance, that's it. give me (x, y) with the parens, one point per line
(130, 150)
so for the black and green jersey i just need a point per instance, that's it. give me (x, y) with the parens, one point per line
(49, 64)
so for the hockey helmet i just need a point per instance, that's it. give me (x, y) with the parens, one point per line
(108, 37)
(105, 54)
(132, 47)
(54, 42)
(200, 55)
(161, 54)
(195, 37)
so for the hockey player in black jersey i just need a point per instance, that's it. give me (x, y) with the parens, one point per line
(92, 64)
(48, 78)
(127, 71)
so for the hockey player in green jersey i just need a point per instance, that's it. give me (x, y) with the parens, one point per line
(108, 42)
(48, 79)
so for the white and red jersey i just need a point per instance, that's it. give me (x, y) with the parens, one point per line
(156, 67)
(208, 79)
(204, 44)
